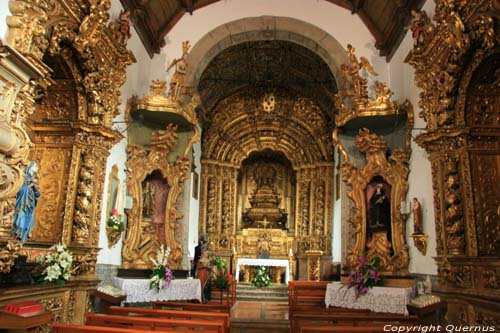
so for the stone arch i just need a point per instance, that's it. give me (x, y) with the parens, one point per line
(265, 28)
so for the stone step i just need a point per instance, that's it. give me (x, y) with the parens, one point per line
(274, 293)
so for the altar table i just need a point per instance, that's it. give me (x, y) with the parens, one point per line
(377, 299)
(137, 290)
(264, 262)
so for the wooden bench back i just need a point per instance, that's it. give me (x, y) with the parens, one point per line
(211, 307)
(181, 325)
(68, 328)
(342, 318)
(306, 293)
(172, 314)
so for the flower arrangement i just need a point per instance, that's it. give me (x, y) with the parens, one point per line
(364, 276)
(115, 221)
(261, 278)
(56, 266)
(161, 275)
(221, 279)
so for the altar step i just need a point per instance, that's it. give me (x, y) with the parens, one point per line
(274, 293)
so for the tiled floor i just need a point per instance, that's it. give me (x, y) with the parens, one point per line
(254, 317)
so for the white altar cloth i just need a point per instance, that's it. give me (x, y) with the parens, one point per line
(137, 290)
(264, 262)
(378, 299)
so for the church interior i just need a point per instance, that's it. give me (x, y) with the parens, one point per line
(249, 166)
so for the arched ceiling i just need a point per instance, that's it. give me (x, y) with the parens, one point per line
(385, 19)
(268, 65)
(239, 126)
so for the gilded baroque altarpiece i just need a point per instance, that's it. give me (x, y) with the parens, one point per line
(65, 116)
(457, 69)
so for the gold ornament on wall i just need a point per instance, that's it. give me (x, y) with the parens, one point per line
(387, 234)
(354, 101)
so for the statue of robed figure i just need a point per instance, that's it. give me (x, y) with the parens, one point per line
(26, 200)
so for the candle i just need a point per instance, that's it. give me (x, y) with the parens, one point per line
(290, 252)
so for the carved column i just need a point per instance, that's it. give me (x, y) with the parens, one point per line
(218, 204)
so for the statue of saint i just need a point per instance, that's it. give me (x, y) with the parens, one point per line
(380, 210)
(147, 200)
(26, 200)
(418, 227)
(180, 65)
(418, 25)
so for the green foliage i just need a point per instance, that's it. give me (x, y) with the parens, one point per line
(261, 278)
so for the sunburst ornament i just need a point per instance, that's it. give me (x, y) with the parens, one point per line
(268, 102)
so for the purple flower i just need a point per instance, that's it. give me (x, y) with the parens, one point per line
(362, 261)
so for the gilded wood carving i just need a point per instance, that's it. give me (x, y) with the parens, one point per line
(149, 224)
(71, 129)
(456, 69)
(297, 128)
(389, 245)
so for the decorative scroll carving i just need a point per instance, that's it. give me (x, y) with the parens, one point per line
(8, 255)
(55, 166)
(393, 170)
(456, 68)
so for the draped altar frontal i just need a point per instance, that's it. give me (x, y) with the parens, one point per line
(264, 262)
(377, 299)
(137, 290)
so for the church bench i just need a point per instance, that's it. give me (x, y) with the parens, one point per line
(69, 328)
(178, 325)
(347, 317)
(171, 314)
(306, 294)
(210, 307)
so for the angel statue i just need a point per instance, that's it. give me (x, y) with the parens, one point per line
(353, 71)
(180, 71)
(26, 200)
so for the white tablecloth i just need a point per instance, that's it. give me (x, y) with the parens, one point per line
(378, 299)
(264, 262)
(137, 290)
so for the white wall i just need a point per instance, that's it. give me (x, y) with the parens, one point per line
(137, 83)
(402, 83)
(4, 12)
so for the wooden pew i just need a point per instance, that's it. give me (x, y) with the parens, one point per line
(178, 325)
(346, 317)
(172, 314)
(302, 295)
(68, 328)
(210, 307)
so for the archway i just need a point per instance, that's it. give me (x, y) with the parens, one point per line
(267, 95)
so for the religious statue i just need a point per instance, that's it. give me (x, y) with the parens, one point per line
(353, 71)
(148, 194)
(121, 27)
(26, 200)
(418, 25)
(418, 227)
(180, 64)
(380, 210)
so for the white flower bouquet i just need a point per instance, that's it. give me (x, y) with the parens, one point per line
(56, 265)
(161, 275)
